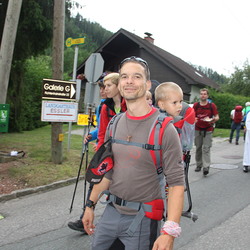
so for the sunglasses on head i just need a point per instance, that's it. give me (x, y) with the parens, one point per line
(133, 59)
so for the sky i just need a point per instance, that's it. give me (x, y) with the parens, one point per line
(209, 33)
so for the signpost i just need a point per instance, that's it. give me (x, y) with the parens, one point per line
(70, 42)
(93, 70)
(94, 67)
(62, 90)
(77, 41)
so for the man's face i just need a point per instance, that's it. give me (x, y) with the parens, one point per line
(203, 96)
(133, 84)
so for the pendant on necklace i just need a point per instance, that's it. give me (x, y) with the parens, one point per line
(128, 138)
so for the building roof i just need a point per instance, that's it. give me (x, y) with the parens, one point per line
(114, 47)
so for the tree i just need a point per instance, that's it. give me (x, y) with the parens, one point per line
(239, 83)
(57, 73)
(213, 75)
(7, 45)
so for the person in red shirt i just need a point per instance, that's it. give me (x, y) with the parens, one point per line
(206, 115)
(114, 104)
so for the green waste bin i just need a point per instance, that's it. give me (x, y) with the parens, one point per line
(4, 117)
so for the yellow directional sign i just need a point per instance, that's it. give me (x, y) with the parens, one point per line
(77, 41)
(83, 120)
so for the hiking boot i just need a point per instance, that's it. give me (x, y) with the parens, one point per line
(77, 225)
(245, 169)
(198, 169)
(205, 171)
(236, 143)
(230, 141)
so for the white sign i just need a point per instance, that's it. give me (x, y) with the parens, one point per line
(53, 111)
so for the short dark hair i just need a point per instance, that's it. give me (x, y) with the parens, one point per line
(138, 60)
(101, 84)
(205, 89)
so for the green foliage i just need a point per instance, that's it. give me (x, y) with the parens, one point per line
(94, 36)
(213, 75)
(239, 83)
(26, 110)
(225, 102)
(69, 55)
(34, 31)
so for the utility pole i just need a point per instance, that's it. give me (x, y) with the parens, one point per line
(57, 69)
(7, 45)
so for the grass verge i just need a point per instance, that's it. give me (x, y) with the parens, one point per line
(36, 168)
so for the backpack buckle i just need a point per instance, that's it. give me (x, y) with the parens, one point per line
(152, 147)
(119, 201)
(159, 170)
(149, 147)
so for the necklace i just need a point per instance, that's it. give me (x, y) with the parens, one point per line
(129, 135)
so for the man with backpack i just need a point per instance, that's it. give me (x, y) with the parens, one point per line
(206, 115)
(135, 203)
(236, 116)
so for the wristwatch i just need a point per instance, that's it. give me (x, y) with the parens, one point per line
(90, 204)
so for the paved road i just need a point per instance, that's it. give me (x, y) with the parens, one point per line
(221, 200)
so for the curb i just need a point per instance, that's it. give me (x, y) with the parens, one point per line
(45, 188)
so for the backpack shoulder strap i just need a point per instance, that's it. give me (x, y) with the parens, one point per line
(196, 105)
(113, 123)
(211, 108)
(155, 138)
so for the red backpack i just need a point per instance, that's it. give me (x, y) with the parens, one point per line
(238, 114)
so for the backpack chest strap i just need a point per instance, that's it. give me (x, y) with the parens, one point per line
(137, 144)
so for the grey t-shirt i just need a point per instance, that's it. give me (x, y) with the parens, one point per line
(134, 177)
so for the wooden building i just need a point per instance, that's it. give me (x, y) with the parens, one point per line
(163, 65)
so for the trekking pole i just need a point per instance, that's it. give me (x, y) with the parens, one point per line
(85, 181)
(85, 149)
(91, 122)
(77, 179)
(188, 213)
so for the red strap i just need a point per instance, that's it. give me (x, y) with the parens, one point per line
(153, 137)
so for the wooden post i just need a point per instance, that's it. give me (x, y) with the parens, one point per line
(57, 69)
